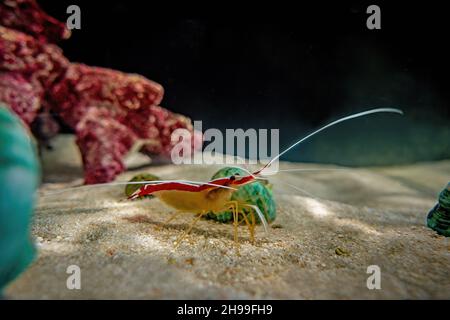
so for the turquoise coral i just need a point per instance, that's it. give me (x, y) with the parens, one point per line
(19, 177)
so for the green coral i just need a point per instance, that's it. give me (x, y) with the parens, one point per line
(258, 193)
(439, 217)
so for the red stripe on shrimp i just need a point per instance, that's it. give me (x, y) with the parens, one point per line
(179, 186)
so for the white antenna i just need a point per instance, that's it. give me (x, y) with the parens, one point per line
(353, 116)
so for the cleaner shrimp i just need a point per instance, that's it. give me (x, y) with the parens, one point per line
(213, 197)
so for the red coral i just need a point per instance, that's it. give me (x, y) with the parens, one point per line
(26, 16)
(103, 143)
(21, 95)
(41, 64)
(108, 110)
(84, 87)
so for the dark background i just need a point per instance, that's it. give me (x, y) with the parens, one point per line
(286, 65)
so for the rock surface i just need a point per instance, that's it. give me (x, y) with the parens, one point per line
(319, 247)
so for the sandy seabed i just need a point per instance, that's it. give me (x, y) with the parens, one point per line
(319, 247)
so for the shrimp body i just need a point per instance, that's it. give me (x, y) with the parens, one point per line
(196, 202)
(212, 197)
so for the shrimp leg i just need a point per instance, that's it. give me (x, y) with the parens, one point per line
(235, 208)
(185, 233)
(250, 226)
(171, 218)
